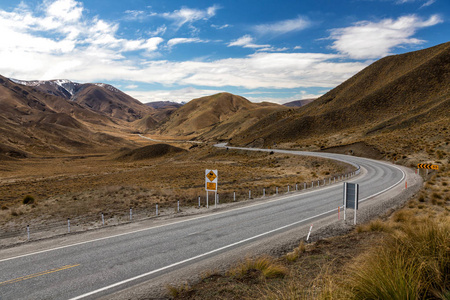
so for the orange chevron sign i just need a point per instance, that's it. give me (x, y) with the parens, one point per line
(428, 166)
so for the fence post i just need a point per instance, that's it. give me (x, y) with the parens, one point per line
(68, 225)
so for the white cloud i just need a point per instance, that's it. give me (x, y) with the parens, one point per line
(179, 95)
(187, 15)
(366, 40)
(132, 86)
(426, 2)
(159, 31)
(219, 27)
(176, 41)
(51, 44)
(283, 27)
(247, 42)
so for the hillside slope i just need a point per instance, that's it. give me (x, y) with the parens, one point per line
(217, 117)
(390, 102)
(102, 98)
(35, 122)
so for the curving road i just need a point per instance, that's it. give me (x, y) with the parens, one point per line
(94, 268)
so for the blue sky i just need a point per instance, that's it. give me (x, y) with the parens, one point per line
(264, 50)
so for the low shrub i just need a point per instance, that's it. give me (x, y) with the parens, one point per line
(28, 200)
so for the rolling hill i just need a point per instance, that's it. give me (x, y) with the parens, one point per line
(216, 117)
(400, 104)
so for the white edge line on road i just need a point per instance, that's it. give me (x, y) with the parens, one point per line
(174, 223)
(195, 257)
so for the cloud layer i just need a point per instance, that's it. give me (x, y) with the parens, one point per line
(367, 40)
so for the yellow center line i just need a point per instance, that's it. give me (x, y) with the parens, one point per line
(38, 274)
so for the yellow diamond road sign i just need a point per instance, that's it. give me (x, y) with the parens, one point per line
(211, 176)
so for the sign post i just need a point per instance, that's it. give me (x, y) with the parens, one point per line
(351, 198)
(211, 178)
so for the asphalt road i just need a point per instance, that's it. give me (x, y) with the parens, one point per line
(99, 267)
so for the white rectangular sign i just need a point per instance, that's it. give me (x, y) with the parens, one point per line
(211, 177)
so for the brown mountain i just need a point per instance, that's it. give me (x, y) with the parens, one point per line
(401, 101)
(217, 117)
(32, 121)
(100, 97)
(298, 103)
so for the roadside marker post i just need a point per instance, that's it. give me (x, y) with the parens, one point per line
(312, 184)
(249, 194)
(288, 188)
(68, 225)
(264, 192)
(339, 212)
(28, 231)
(234, 196)
(178, 206)
(103, 219)
(277, 190)
(157, 212)
(131, 213)
(309, 233)
(199, 201)
(304, 186)
(296, 187)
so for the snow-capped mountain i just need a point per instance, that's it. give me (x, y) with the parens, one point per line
(100, 97)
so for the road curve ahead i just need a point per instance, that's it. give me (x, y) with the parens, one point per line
(103, 266)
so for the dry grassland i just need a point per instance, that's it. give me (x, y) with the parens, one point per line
(70, 187)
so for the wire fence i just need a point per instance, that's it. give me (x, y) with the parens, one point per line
(49, 228)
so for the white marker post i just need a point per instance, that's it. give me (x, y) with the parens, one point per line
(28, 231)
(309, 233)
(68, 225)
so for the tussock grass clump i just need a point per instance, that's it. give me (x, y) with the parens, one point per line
(267, 266)
(413, 263)
(176, 291)
(375, 225)
(295, 254)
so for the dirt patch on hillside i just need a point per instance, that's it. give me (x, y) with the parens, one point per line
(149, 152)
(357, 149)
